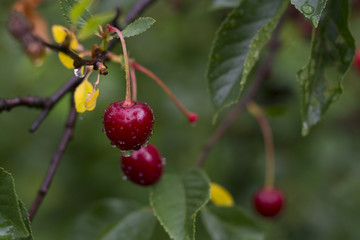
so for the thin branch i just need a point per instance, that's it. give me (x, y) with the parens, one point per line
(68, 86)
(134, 13)
(31, 101)
(262, 72)
(137, 10)
(69, 129)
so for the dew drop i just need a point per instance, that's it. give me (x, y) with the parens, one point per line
(125, 178)
(79, 72)
(163, 161)
(145, 144)
(113, 145)
(126, 153)
(141, 174)
(307, 9)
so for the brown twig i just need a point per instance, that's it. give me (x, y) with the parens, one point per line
(262, 72)
(69, 129)
(134, 13)
(31, 101)
(54, 99)
(68, 87)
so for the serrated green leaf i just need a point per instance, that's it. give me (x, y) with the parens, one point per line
(140, 25)
(237, 46)
(11, 220)
(217, 4)
(92, 25)
(176, 201)
(311, 9)
(99, 218)
(135, 226)
(332, 52)
(25, 217)
(66, 7)
(78, 9)
(224, 223)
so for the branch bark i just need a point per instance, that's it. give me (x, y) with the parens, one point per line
(69, 129)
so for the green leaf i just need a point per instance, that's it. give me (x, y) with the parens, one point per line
(99, 218)
(25, 217)
(237, 47)
(11, 220)
(67, 7)
(92, 25)
(217, 4)
(78, 10)
(224, 223)
(176, 201)
(332, 52)
(311, 9)
(135, 226)
(140, 25)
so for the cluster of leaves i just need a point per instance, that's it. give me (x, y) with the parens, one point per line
(237, 47)
(176, 199)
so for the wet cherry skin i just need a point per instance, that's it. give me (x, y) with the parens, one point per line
(128, 127)
(143, 167)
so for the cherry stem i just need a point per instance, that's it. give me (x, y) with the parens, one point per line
(133, 83)
(126, 61)
(191, 116)
(258, 113)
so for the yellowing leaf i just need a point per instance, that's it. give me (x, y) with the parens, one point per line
(220, 196)
(66, 60)
(80, 95)
(59, 33)
(90, 101)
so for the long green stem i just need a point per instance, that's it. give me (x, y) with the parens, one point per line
(257, 112)
(126, 61)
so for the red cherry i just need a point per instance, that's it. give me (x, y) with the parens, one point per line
(143, 167)
(128, 127)
(357, 59)
(269, 201)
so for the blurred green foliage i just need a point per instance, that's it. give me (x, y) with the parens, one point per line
(318, 173)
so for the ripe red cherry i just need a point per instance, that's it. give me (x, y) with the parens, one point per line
(144, 166)
(357, 59)
(128, 127)
(269, 201)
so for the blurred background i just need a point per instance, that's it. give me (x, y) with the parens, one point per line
(318, 173)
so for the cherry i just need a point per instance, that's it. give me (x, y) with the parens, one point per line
(268, 201)
(143, 167)
(357, 59)
(128, 127)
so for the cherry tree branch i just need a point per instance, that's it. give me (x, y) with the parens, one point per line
(69, 129)
(54, 99)
(261, 74)
(48, 103)
(30, 101)
(134, 13)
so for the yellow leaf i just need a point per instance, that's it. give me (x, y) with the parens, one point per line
(59, 33)
(220, 196)
(90, 101)
(80, 95)
(66, 60)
